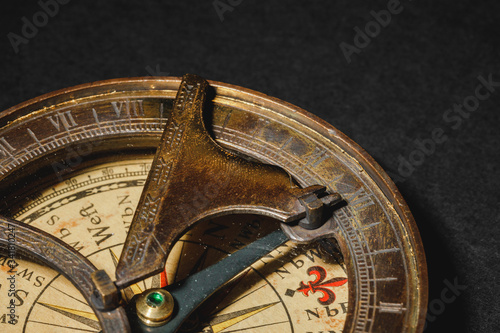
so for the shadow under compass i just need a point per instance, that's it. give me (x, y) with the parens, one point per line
(447, 309)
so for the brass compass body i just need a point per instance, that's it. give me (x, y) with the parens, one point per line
(80, 164)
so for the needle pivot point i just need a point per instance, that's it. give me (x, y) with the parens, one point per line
(155, 307)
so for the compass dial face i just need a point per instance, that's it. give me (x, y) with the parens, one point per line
(70, 165)
(92, 210)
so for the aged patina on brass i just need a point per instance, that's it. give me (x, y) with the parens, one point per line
(374, 230)
(51, 251)
(188, 155)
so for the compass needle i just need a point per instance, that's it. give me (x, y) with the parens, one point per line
(263, 217)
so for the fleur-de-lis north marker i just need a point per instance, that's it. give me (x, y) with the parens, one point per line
(319, 285)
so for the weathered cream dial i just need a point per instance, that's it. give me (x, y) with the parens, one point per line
(91, 211)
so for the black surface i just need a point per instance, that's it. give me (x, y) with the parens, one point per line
(396, 90)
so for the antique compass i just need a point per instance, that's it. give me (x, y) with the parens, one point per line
(181, 205)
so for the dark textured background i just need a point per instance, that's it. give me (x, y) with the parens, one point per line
(393, 92)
